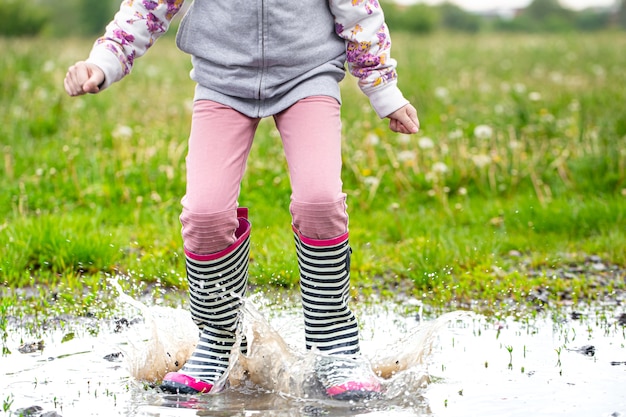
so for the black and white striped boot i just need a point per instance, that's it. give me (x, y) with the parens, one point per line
(330, 326)
(217, 283)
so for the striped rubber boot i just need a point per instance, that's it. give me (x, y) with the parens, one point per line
(329, 324)
(217, 282)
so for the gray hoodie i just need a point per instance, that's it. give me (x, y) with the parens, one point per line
(261, 56)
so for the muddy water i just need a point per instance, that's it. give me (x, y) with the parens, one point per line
(453, 364)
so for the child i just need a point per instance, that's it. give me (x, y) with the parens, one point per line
(253, 59)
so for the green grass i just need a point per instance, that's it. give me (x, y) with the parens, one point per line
(520, 166)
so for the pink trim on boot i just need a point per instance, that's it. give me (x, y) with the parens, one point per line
(320, 242)
(242, 233)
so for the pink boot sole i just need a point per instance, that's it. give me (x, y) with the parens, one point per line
(353, 391)
(177, 383)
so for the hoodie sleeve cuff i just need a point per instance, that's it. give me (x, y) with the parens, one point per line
(385, 100)
(108, 63)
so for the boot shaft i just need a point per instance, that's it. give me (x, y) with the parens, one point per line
(330, 325)
(218, 281)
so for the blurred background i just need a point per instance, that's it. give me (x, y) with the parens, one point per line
(89, 17)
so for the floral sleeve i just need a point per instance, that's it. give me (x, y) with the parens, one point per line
(362, 24)
(134, 29)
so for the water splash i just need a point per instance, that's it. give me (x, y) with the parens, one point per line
(272, 364)
(169, 339)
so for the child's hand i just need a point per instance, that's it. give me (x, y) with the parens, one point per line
(82, 78)
(404, 120)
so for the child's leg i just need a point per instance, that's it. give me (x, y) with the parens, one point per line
(219, 145)
(311, 132)
(216, 239)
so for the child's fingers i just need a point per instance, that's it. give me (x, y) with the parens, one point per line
(404, 120)
(83, 78)
(74, 79)
(409, 120)
(91, 85)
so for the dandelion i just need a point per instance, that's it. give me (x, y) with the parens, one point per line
(358, 155)
(441, 93)
(534, 96)
(515, 144)
(152, 71)
(574, 106)
(557, 77)
(440, 168)
(48, 66)
(404, 139)
(462, 191)
(519, 88)
(405, 156)
(372, 139)
(483, 132)
(42, 94)
(425, 143)
(547, 117)
(122, 132)
(481, 160)
(156, 197)
(24, 84)
(371, 181)
(455, 134)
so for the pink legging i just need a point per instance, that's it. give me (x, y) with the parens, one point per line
(219, 145)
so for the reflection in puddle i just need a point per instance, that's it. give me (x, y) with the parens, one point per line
(458, 364)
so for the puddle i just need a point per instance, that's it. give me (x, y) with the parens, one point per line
(456, 364)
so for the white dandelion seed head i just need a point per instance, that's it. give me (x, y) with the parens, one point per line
(515, 144)
(441, 93)
(372, 139)
(406, 156)
(455, 134)
(371, 181)
(122, 132)
(534, 96)
(358, 155)
(440, 168)
(48, 66)
(425, 143)
(481, 160)
(483, 132)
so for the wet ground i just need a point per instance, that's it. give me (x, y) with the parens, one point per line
(566, 363)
